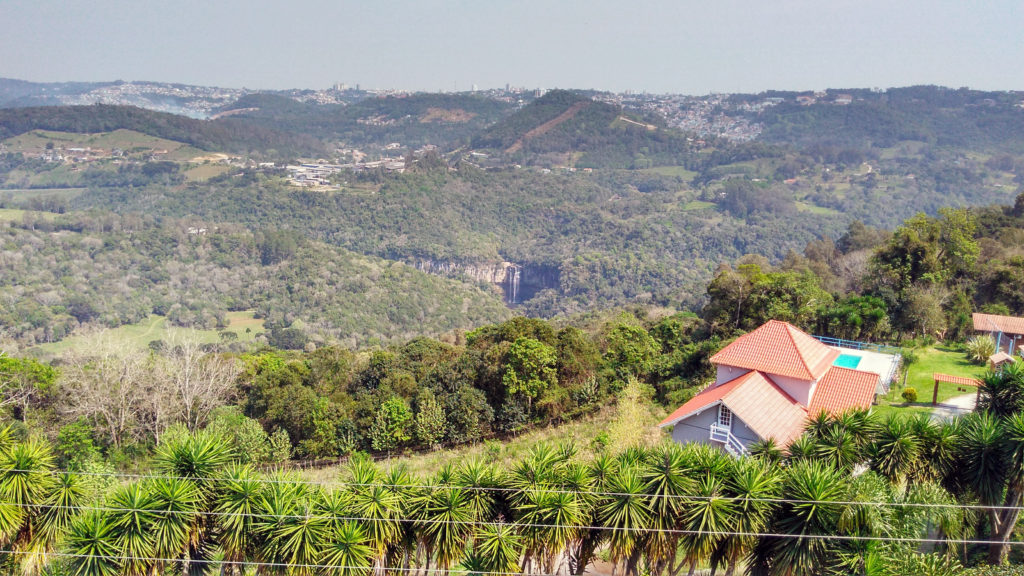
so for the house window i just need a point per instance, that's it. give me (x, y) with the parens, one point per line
(724, 416)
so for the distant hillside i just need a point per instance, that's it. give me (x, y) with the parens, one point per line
(564, 127)
(985, 121)
(19, 93)
(227, 134)
(104, 270)
(444, 120)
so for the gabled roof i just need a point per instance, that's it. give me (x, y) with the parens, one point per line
(757, 401)
(778, 348)
(767, 409)
(704, 399)
(997, 323)
(842, 389)
(1000, 358)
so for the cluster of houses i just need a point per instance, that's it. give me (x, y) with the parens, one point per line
(770, 381)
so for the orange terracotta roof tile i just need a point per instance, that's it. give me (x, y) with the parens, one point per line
(757, 401)
(842, 389)
(779, 348)
(997, 323)
(958, 380)
(767, 409)
(702, 400)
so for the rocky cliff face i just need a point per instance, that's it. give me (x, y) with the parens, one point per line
(518, 282)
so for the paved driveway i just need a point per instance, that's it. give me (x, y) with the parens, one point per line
(955, 406)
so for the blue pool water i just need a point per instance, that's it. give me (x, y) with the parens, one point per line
(847, 361)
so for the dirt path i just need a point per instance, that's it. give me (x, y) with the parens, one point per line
(547, 126)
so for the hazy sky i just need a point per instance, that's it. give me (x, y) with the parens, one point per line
(686, 46)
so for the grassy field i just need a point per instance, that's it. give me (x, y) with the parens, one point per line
(698, 205)
(631, 421)
(204, 172)
(140, 334)
(25, 194)
(127, 140)
(938, 359)
(804, 207)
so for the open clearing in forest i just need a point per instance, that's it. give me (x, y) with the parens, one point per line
(138, 335)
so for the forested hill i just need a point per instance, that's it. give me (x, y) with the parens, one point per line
(101, 270)
(564, 127)
(443, 120)
(226, 134)
(964, 119)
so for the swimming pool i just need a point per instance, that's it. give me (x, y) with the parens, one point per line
(847, 361)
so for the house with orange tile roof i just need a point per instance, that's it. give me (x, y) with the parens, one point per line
(1007, 331)
(768, 382)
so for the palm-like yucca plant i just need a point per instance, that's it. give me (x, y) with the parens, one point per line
(496, 548)
(803, 448)
(131, 515)
(300, 538)
(61, 505)
(479, 478)
(819, 424)
(626, 510)
(598, 475)
(1002, 393)
(200, 459)
(767, 450)
(240, 498)
(709, 515)
(896, 449)
(91, 544)
(379, 508)
(400, 482)
(550, 521)
(346, 552)
(667, 477)
(839, 448)
(754, 485)
(284, 503)
(175, 507)
(812, 488)
(25, 480)
(445, 523)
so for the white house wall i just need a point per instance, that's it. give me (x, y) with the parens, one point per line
(800, 390)
(728, 373)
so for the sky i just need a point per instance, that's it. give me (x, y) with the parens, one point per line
(658, 46)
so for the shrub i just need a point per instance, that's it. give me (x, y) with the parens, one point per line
(980, 348)
(909, 395)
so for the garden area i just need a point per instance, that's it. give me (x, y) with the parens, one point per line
(922, 363)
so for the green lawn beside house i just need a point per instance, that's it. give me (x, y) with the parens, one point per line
(936, 359)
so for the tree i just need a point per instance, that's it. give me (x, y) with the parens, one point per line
(530, 369)
(22, 380)
(198, 380)
(391, 425)
(430, 425)
(112, 386)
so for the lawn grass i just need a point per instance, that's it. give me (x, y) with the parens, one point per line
(138, 336)
(805, 207)
(931, 360)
